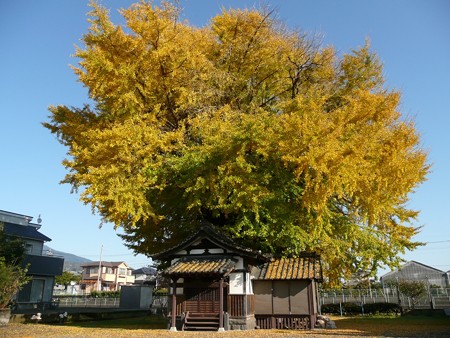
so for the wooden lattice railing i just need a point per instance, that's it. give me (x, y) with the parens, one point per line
(288, 322)
(241, 305)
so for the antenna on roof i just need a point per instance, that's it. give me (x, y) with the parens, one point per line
(39, 220)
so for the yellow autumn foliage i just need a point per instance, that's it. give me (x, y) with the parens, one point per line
(248, 125)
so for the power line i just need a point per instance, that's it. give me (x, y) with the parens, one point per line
(112, 255)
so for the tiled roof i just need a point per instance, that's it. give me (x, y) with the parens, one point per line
(308, 267)
(215, 266)
(144, 271)
(24, 231)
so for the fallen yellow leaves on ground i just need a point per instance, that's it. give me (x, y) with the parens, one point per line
(346, 327)
(41, 330)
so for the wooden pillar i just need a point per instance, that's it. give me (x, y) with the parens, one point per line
(173, 325)
(221, 328)
(311, 309)
(244, 278)
(273, 324)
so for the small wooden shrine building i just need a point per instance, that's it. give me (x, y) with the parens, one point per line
(218, 285)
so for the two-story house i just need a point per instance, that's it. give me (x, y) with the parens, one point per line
(145, 276)
(42, 269)
(106, 276)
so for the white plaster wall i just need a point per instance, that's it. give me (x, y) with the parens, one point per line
(179, 290)
(236, 283)
(240, 263)
(217, 250)
(197, 251)
(249, 285)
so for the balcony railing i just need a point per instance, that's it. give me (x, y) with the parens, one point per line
(44, 265)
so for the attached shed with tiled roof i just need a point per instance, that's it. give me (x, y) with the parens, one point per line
(285, 289)
(308, 266)
(217, 284)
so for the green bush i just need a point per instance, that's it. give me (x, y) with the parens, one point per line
(12, 279)
(105, 294)
(347, 308)
(382, 308)
(354, 308)
(160, 291)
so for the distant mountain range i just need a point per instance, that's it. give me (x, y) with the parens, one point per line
(71, 262)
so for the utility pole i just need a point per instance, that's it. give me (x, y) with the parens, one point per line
(99, 286)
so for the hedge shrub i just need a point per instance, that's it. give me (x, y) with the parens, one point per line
(356, 308)
(105, 294)
(382, 308)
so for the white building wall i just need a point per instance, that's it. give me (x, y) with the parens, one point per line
(240, 284)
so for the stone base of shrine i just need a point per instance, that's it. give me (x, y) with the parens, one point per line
(242, 323)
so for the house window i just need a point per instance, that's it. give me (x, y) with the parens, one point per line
(33, 291)
(122, 271)
(92, 271)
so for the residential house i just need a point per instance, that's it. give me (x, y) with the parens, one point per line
(218, 285)
(415, 271)
(144, 276)
(112, 276)
(42, 269)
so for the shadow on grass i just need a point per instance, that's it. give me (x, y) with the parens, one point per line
(136, 323)
(400, 326)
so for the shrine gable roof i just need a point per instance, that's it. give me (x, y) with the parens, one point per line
(211, 236)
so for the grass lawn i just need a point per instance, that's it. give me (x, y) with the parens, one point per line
(374, 326)
(406, 326)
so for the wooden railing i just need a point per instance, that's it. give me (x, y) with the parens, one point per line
(180, 305)
(241, 305)
(288, 322)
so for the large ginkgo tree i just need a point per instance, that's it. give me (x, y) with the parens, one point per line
(258, 129)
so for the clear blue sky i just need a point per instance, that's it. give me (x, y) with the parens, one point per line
(411, 37)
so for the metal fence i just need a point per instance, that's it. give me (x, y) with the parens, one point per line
(159, 302)
(87, 302)
(436, 298)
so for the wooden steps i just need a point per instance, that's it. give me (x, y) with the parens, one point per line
(201, 322)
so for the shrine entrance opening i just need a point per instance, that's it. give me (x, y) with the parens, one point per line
(203, 299)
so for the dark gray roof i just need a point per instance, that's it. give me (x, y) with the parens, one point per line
(24, 231)
(103, 263)
(144, 271)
